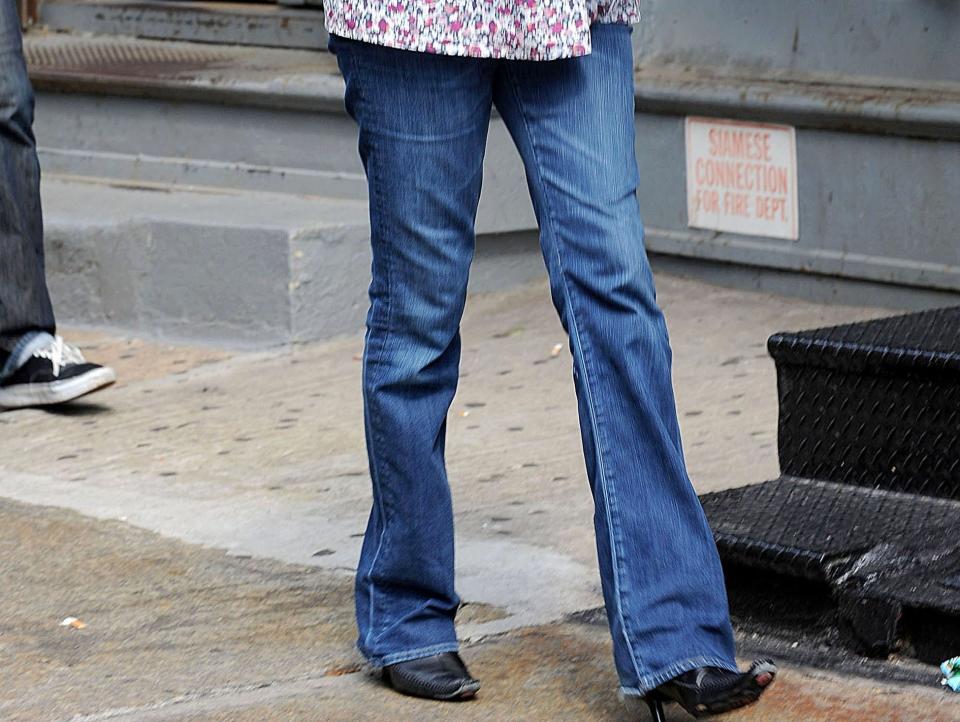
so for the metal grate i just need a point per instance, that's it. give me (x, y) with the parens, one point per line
(123, 58)
(817, 530)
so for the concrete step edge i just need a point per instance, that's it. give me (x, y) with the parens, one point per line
(873, 105)
(97, 200)
(181, 173)
(271, 78)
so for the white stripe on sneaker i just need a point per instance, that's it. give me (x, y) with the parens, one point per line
(21, 396)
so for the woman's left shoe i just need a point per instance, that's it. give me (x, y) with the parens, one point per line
(707, 691)
(441, 676)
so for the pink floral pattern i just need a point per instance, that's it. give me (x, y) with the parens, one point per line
(516, 29)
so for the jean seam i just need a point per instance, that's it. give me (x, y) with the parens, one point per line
(591, 403)
(367, 381)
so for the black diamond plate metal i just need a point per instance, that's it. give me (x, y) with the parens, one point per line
(873, 404)
(928, 341)
(918, 577)
(868, 505)
(888, 559)
(817, 529)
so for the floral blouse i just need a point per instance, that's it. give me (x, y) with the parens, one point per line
(516, 29)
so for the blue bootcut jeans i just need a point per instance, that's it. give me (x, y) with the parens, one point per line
(423, 122)
(25, 307)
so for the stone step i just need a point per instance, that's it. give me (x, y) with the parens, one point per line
(272, 119)
(223, 265)
(258, 119)
(237, 267)
(232, 23)
(875, 403)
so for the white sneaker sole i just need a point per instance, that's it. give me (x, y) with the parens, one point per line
(56, 392)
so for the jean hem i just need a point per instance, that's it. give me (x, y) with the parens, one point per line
(652, 681)
(22, 350)
(384, 660)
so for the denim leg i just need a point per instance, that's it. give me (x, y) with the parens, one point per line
(573, 122)
(24, 300)
(423, 122)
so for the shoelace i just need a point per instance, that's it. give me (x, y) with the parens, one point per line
(60, 354)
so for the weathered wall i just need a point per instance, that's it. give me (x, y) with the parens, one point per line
(905, 39)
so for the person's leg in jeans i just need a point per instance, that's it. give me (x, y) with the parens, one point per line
(36, 367)
(423, 121)
(423, 124)
(24, 301)
(573, 122)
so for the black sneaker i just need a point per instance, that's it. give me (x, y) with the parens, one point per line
(54, 373)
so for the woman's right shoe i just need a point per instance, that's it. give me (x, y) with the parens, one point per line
(708, 691)
(441, 676)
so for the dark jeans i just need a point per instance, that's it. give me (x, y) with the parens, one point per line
(24, 300)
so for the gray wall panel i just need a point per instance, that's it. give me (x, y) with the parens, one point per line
(907, 39)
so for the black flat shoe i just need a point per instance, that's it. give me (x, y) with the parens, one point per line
(707, 691)
(442, 676)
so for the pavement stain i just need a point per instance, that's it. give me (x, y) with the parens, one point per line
(562, 672)
(163, 616)
(176, 631)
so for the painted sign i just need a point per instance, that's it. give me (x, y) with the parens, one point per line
(742, 177)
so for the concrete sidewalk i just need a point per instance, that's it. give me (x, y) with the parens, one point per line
(203, 519)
